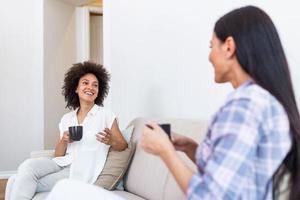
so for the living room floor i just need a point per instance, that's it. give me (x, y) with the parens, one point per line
(2, 188)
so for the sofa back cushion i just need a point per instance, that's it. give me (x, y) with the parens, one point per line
(148, 176)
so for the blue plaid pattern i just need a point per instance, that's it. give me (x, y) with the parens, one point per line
(246, 142)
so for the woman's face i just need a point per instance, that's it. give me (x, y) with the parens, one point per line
(87, 88)
(219, 60)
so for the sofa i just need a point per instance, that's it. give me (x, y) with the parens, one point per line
(147, 176)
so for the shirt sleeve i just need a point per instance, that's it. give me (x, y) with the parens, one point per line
(109, 118)
(62, 126)
(234, 136)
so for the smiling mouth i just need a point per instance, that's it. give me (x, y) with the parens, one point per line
(89, 93)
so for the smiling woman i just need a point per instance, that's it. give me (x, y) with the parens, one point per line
(85, 88)
(80, 75)
(255, 132)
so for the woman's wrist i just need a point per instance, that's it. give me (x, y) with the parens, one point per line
(119, 145)
(63, 142)
(167, 151)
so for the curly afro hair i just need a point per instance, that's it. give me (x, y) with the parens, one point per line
(71, 81)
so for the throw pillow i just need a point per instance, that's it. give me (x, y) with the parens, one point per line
(127, 133)
(116, 163)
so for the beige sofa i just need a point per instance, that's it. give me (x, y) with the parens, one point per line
(147, 176)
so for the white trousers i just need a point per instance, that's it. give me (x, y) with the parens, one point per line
(76, 190)
(36, 175)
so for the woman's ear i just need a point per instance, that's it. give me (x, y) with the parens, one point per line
(230, 47)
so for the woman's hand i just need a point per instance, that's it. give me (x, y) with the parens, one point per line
(66, 138)
(186, 145)
(105, 137)
(61, 147)
(112, 137)
(154, 140)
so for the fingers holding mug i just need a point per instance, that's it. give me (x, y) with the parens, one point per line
(66, 137)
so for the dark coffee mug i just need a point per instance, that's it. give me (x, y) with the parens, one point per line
(166, 128)
(75, 133)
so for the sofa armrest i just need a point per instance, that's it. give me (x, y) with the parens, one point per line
(42, 153)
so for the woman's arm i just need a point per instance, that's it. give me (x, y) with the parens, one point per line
(61, 146)
(179, 170)
(113, 137)
(118, 142)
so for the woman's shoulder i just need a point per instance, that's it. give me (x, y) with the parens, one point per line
(68, 115)
(103, 110)
(257, 98)
(252, 92)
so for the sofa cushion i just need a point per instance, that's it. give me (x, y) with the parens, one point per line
(116, 164)
(147, 175)
(127, 195)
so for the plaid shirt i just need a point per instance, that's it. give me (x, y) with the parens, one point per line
(246, 142)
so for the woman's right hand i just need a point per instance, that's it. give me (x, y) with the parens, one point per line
(185, 144)
(66, 138)
(61, 147)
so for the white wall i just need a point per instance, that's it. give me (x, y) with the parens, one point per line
(21, 81)
(38, 45)
(156, 51)
(158, 54)
(59, 55)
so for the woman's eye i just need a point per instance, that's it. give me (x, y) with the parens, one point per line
(84, 83)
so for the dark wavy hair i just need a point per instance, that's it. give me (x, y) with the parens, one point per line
(71, 81)
(261, 55)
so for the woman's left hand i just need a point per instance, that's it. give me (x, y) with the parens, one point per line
(105, 136)
(155, 141)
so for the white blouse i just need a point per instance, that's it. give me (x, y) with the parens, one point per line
(87, 156)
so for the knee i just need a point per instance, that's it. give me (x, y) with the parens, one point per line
(30, 165)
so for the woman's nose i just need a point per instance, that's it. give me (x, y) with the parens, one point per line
(89, 87)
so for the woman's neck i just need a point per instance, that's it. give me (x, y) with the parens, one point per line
(85, 108)
(239, 76)
(82, 111)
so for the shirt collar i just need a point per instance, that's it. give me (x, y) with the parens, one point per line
(94, 109)
(245, 84)
(92, 112)
(235, 93)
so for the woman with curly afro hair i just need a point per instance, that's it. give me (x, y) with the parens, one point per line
(85, 88)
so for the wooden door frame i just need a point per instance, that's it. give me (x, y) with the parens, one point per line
(83, 31)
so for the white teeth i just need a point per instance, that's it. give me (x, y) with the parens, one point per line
(89, 93)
